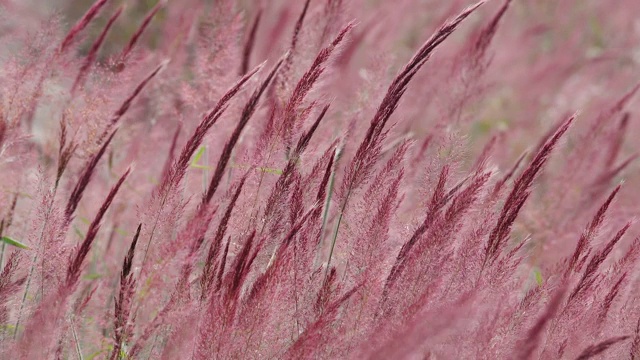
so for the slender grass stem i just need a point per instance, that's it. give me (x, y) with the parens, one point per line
(335, 237)
(327, 201)
(153, 230)
(33, 263)
(340, 216)
(75, 339)
(2, 255)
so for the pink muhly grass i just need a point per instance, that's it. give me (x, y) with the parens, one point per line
(84, 179)
(519, 194)
(247, 112)
(368, 150)
(75, 264)
(208, 274)
(47, 314)
(285, 179)
(399, 85)
(292, 47)
(65, 151)
(178, 169)
(8, 286)
(3, 130)
(122, 330)
(249, 44)
(82, 23)
(487, 34)
(128, 101)
(532, 340)
(611, 296)
(93, 52)
(590, 232)
(597, 259)
(635, 345)
(599, 348)
(175, 169)
(136, 36)
(413, 187)
(306, 83)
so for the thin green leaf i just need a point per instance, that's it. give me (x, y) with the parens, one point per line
(538, 276)
(15, 243)
(94, 355)
(92, 276)
(270, 170)
(197, 156)
(121, 232)
(78, 232)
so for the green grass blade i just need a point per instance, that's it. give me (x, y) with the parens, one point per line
(10, 241)
(198, 155)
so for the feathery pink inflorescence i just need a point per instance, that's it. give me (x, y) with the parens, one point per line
(75, 264)
(85, 177)
(178, 169)
(520, 193)
(93, 52)
(82, 23)
(122, 328)
(136, 36)
(247, 112)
